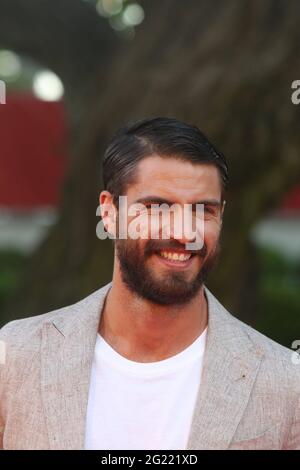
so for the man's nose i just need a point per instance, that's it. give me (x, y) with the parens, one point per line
(188, 230)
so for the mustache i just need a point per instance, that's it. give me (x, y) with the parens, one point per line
(154, 246)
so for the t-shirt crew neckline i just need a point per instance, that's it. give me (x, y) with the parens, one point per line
(193, 352)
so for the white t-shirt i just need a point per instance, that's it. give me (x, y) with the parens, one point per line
(149, 406)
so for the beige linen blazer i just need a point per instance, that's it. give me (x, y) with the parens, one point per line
(249, 396)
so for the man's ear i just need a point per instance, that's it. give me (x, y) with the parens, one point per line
(108, 212)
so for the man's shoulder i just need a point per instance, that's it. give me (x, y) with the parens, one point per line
(279, 361)
(21, 339)
(24, 335)
(30, 326)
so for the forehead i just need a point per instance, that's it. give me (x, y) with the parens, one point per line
(176, 180)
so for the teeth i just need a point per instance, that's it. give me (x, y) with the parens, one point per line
(175, 256)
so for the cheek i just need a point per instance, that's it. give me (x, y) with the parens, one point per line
(211, 233)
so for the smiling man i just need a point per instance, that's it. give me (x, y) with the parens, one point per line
(152, 360)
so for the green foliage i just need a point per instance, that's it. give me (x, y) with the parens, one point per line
(11, 267)
(279, 292)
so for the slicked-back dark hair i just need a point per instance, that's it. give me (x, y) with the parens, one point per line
(166, 137)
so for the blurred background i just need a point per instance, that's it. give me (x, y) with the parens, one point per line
(75, 70)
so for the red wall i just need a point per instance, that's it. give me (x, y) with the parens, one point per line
(33, 151)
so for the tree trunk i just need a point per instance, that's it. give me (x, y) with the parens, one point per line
(224, 66)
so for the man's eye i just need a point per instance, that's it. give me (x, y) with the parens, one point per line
(157, 209)
(208, 209)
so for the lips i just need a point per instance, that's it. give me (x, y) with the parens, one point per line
(174, 256)
(178, 260)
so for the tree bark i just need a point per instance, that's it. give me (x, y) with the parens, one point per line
(224, 66)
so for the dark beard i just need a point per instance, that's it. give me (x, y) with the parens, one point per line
(172, 289)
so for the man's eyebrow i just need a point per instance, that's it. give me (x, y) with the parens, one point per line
(210, 202)
(154, 199)
(159, 200)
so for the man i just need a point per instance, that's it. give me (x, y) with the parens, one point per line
(152, 360)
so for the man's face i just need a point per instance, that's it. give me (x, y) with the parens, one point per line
(164, 271)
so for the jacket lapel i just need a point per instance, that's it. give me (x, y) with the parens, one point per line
(231, 363)
(68, 344)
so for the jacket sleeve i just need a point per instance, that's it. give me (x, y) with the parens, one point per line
(3, 377)
(2, 370)
(1, 434)
(293, 440)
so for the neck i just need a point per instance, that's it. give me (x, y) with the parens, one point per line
(146, 332)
